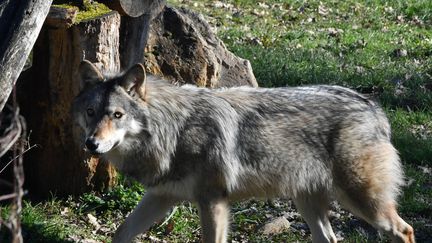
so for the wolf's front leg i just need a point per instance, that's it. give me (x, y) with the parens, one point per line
(151, 209)
(214, 216)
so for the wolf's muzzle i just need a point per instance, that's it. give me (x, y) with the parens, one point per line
(91, 144)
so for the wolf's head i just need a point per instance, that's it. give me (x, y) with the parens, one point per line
(111, 111)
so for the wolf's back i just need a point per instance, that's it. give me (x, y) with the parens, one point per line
(301, 132)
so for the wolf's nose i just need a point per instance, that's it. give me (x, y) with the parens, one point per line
(91, 144)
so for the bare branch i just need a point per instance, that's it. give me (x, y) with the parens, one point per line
(18, 156)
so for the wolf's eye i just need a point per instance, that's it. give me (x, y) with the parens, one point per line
(118, 114)
(90, 112)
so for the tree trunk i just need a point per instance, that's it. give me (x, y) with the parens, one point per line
(46, 93)
(20, 23)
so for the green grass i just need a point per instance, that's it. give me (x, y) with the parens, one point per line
(41, 223)
(382, 48)
(86, 11)
(412, 135)
(346, 42)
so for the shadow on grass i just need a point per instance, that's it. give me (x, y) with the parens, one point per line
(39, 223)
(413, 150)
(34, 233)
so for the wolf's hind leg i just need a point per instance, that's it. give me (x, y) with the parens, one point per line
(368, 187)
(381, 215)
(314, 208)
(388, 221)
(214, 215)
(152, 208)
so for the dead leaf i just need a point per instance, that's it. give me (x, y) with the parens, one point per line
(263, 5)
(426, 170)
(334, 32)
(400, 19)
(93, 221)
(322, 10)
(360, 69)
(64, 211)
(388, 9)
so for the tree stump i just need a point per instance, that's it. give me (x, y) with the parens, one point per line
(46, 93)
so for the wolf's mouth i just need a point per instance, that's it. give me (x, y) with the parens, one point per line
(115, 144)
(94, 153)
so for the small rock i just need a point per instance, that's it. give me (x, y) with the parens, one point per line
(276, 226)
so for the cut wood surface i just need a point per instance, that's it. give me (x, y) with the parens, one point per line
(20, 23)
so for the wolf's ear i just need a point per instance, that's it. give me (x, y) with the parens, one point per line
(89, 74)
(134, 80)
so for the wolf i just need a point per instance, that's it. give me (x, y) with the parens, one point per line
(313, 144)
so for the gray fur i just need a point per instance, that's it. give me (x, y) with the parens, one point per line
(215, 146)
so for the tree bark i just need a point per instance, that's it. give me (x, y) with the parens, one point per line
(46, 93)
(61, 17)
(20, 23)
